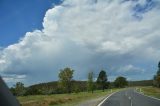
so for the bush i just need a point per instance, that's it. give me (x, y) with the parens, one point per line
(33, 91)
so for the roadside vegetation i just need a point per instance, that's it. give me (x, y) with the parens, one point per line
(154, 90)
(69, 92)
(66, 90)
(156, 78)
(150, 91)
(72, 99)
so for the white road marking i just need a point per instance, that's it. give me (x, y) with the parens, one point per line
(131, 102)
(106, 99)
(130, 99)
(140, 90)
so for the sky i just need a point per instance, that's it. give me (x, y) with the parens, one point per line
(21, 16)
(40, 37)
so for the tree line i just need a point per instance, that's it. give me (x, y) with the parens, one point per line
(66, 81)
(156, 78)
(66, 84)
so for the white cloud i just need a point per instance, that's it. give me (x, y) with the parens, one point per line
(130, 68)
(14, 78)
(85, 34)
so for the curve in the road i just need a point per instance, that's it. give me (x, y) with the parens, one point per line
(129, 97)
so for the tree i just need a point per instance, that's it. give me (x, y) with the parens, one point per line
(33, 91)
(19, 89)
(120, 82)
(102, 79)
(90, 83)
(65, 79)
(77, 88)
(13, 91)
(156, 79)
(159, 65)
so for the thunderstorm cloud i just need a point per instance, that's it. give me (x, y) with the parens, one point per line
(119, 36)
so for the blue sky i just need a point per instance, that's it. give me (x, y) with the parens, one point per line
(21, 16)
(38, 38)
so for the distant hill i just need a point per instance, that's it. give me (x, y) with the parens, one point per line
(52, 87)
(82, 84)
(53, 84)
(77, 86)
(141, 83)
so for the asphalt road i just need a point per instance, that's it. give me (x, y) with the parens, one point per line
(130, 97)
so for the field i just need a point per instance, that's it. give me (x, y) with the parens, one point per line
(62, 99)
(151, 91)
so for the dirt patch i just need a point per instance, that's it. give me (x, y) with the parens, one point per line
(93, 102)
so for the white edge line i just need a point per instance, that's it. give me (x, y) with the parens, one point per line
(131, 103)
(106, 98)
(148, 96)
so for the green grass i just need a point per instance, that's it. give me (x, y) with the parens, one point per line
(151, 91)
(61, 99)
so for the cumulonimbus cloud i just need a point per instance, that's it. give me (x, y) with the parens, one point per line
(87, 35)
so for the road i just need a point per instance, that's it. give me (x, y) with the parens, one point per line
(130, 97)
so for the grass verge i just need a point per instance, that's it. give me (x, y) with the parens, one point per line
(62, 99)
(151, 91)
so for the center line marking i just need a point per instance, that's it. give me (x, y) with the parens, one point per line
(130, 100)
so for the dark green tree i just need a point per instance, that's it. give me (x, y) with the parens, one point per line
(76, 87)
(12, 89)
(156, 79)
(102, 79)
(33, 91)
(65, 79)
(19, 89)
(90, 82)
(158, 71)
(120, 82)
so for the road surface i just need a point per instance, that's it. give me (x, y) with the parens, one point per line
(130, 97)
